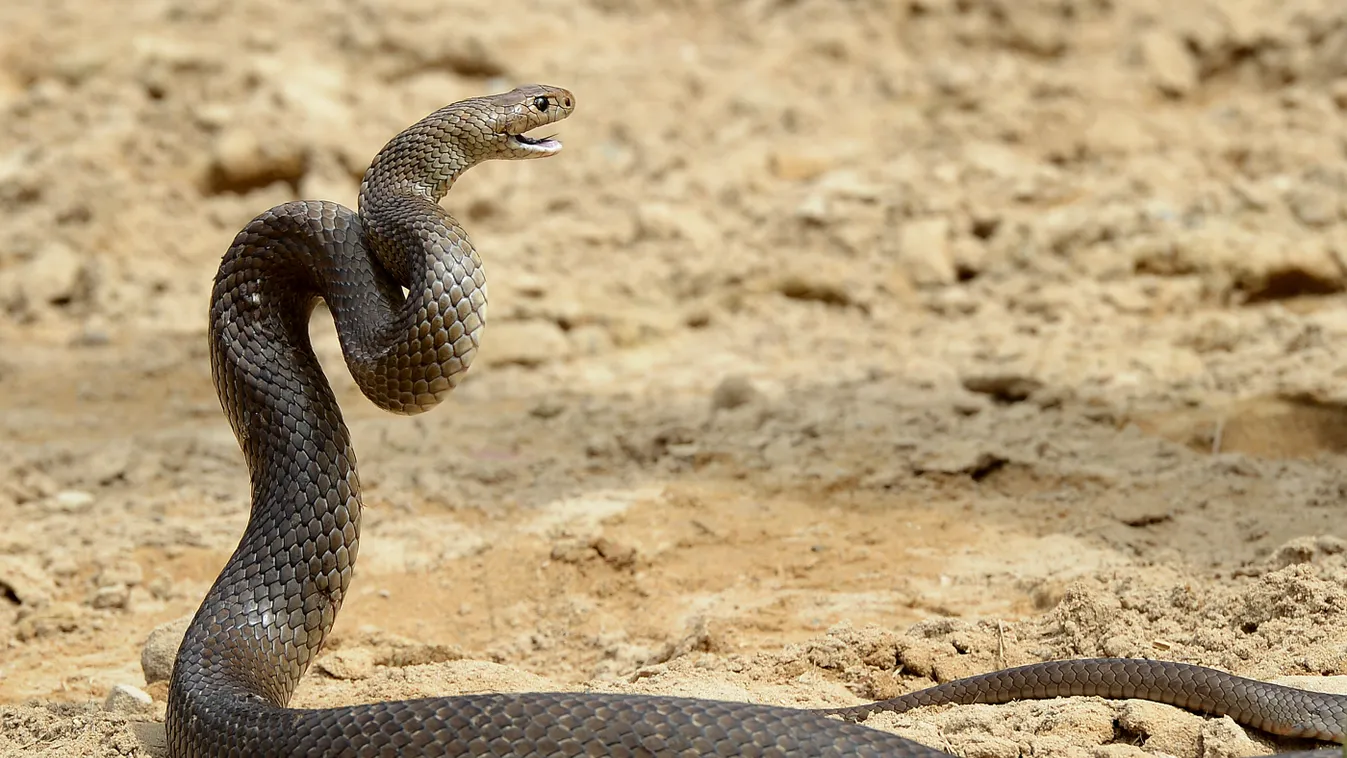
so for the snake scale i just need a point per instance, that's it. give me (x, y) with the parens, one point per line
(408, 296)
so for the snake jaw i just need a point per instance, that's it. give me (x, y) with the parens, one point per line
(536, 146)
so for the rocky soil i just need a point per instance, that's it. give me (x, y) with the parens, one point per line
(847, 347)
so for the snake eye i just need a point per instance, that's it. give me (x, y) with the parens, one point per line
(541, 103)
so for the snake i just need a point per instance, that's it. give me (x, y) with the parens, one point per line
(408, 297)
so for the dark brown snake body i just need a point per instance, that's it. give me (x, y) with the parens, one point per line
(266, 616)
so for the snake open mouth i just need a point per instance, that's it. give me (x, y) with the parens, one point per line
(539, 144)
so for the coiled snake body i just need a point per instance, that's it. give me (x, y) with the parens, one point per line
(266, 615)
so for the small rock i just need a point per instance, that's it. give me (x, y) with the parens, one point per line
(615, 554)
(1276, 268)
(161, 647)
(656, 220)
(109, 465)
(819, 203)
(697, 318)
(124, 573)
(1035, 33)
(989, 746)
(26, 484)
(1223, 738)
(998, 160)
(241, 161)
(577, 551)
(813, 209)
(123, 698)
(547, 408)
(1142, 513)
(73, 501)
(63, 565)
(351, 665)
(1314, 205)
(1171, 68)
(798, 165)
(733, 392)
(962, 458)
(813, 287)
(600, 447)
(58, 276)
(21, 580)
(924, 252)
(1128, 298)
(117, 596)
(431, 46)
(51, 620)
(1305, 550)
(1004, 388)
(93, 333)
(55, 276)
(970, 257)
(531, 285)
(919, 656)
(524, 343)
(574, 551)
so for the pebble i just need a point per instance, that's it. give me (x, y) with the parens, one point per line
(968, 458)
(24, 582)
(547, 408)
(799, 165)
(241, 161)
(350, 665)
(1005, 388)
(54, 276)
(1169, 66)
(662, 221)
(73, 501)
(1314, 206)
(161, 647)
(524, 343)
(924, 252)
(814, 209)
(123, 698)
(115, 596)
(122, 573)
(733, 392)
(815, 286)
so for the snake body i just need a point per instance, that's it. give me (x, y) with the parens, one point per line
(407, 293)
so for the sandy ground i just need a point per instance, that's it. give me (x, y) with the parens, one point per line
(846, 347)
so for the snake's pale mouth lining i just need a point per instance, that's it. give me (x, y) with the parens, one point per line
(543, 144)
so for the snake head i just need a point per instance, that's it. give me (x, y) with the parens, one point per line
(513, 113)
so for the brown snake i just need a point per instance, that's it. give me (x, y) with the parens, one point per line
(267, 614)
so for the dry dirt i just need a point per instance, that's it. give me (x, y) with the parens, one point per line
(846, 347)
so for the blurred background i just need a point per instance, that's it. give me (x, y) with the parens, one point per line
(978, 315)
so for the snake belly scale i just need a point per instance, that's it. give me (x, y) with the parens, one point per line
(407, 293)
